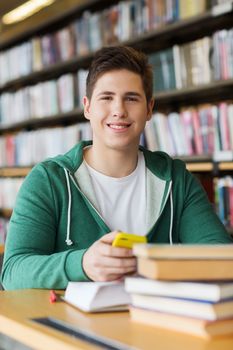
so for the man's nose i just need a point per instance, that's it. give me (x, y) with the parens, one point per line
(119, 109)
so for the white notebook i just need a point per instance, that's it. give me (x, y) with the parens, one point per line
(97, 296)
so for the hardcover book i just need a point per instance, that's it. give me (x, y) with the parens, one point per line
(203, 309)
(186, 270)
(214, 291)
(189, 325)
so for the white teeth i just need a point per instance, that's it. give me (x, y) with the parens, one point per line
(113, 126)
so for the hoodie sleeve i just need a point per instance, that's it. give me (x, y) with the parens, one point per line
(199, 223)
(30, 259)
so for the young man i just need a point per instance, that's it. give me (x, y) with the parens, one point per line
(70, 207)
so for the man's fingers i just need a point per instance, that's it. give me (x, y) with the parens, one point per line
(111, 262)
(105, 246)
(102, 262)
(109, 237)
(111, 273)
(118, 252)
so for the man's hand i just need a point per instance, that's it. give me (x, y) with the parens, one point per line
(102, 262)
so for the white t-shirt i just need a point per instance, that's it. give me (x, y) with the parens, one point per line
(122, 201)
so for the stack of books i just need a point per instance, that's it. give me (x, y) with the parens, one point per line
(185, 288)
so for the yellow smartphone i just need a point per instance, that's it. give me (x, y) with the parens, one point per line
(126, 240)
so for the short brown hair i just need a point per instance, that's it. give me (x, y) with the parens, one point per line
(116, 58)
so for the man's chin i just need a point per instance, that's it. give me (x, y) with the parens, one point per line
(122, 146)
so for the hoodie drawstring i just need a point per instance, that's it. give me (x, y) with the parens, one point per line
(68, 240)
(171, 218)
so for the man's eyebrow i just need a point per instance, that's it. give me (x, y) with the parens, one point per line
(106, 93)
(133, 93)
(128, 93)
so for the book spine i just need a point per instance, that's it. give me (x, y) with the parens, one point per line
(231, 202)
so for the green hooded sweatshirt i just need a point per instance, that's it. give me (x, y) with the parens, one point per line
(56, 218)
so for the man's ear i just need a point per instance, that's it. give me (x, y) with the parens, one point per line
(150, 107)
(86, 107)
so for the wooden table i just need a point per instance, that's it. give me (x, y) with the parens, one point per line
(18, 307)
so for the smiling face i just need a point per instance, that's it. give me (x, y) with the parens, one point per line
(117, 110)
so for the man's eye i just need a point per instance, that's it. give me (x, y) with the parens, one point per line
(106, 97)
(131, 99)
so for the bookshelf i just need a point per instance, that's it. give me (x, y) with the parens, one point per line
(56, 15)
(164, 36)
(14, 171)
(159, 39)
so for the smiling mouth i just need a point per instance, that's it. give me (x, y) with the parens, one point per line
(118, 126)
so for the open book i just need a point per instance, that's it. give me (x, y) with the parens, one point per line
(97, 296)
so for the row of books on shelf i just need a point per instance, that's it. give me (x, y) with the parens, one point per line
(192, 64)
(206, 129)
(195, 63)
(44, 99)
(29, 148)
(91, 31)
(3, 230)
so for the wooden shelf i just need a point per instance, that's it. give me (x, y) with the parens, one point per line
(206, 93)
(200, 167)
(64, 119)
(209, 166)
(6, 213)
(14, 171)
(205, 163)
(1, 248)
(225, 166)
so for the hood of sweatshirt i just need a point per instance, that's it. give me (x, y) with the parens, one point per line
(159, 163)
(159, 184)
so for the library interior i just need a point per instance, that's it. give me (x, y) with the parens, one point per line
(181, 295)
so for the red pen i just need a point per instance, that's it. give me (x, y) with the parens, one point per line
(52, 296)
